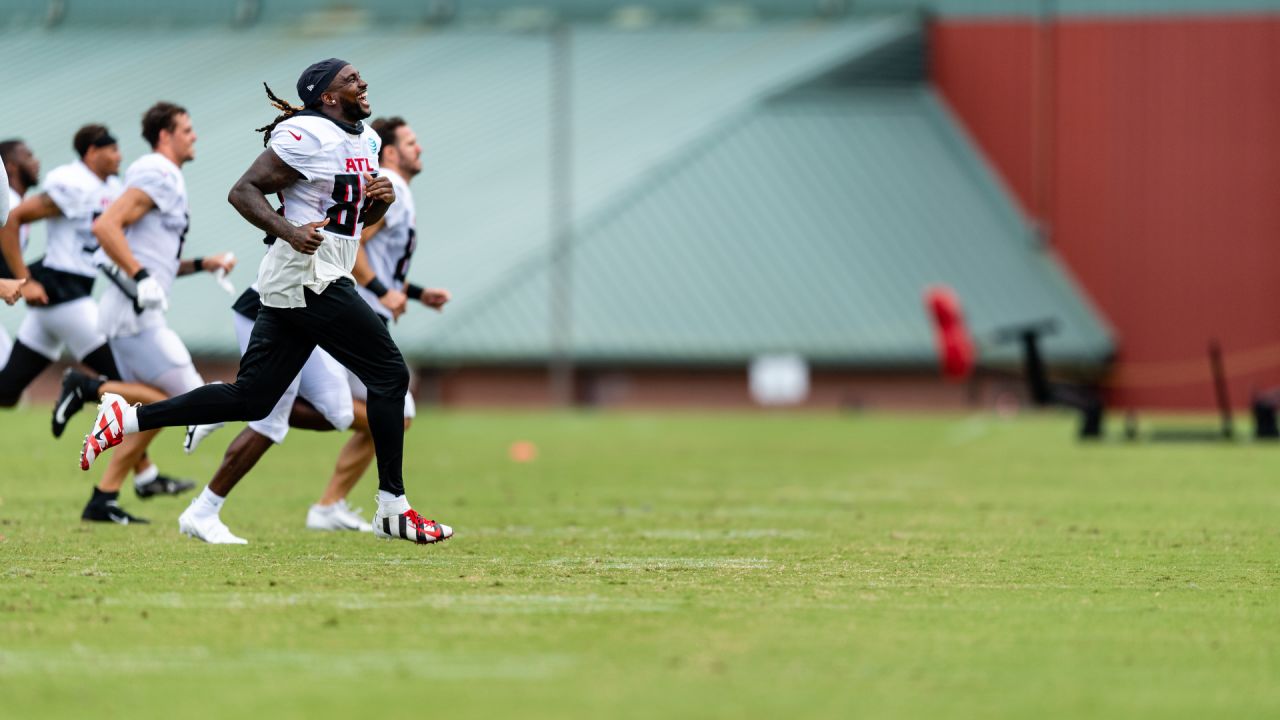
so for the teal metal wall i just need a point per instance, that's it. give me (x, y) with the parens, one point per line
(188, 13)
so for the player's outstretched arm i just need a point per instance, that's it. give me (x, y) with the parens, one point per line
(30, 210)
(226, 262)
(434, 298)
(109, 228)
(391, 298)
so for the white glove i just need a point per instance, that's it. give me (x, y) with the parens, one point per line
(151, 295)
(220, 276)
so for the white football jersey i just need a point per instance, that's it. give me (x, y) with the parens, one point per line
(332, 163)
(391, 249)
(157, 237)
(24, 232)
(155, 240)
(81, 196)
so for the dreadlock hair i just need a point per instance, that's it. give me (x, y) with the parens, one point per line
(286, 111)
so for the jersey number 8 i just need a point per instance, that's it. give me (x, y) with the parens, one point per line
(347, 208)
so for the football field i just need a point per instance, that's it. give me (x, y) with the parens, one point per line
(658, 566)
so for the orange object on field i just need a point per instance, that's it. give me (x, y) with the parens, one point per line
(523, 451)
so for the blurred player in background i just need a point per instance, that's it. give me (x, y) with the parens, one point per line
(61, 313)
(382, 269)
(10, 290)
(142, 232)
(22, 171)
(325, 404)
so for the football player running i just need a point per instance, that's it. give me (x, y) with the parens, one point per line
(61, 314)
(323, 162)
(22, 171)
(143, 232)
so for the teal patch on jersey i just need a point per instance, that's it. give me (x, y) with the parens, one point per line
(373, 146)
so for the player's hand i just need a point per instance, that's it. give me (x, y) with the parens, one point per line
(396, 302)
(435, 298)
(225, 262)
(151, 295)
(33, 293)
(11, 290)
(379, 188)
(307, 238)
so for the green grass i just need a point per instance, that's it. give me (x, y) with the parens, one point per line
(664, 566)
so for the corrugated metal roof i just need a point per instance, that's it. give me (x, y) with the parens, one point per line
(809, 226)
(478, 101)
(409, 13)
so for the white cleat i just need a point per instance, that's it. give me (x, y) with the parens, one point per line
(196, 435)
(338, 516)
(411, 526)
(207, 527)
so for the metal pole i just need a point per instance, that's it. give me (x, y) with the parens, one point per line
(561, 216)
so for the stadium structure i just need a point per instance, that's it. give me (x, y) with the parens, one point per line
(642, 198)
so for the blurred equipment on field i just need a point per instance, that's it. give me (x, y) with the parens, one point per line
(960, 359)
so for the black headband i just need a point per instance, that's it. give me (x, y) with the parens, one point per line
(103, 140)
(316, 78)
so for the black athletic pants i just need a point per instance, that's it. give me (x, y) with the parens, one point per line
(340, 322)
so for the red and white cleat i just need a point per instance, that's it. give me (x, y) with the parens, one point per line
(411, 526)
(107, 431)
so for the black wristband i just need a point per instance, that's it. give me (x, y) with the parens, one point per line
(376, 287)
(199, 264)
(415, 291)
(141, 275)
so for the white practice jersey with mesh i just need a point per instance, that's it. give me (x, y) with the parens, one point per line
(333, 164)
(391, 249)
(155, 240)
(81, 196)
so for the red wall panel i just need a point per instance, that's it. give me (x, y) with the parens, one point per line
(1163, 180)
(985, 70)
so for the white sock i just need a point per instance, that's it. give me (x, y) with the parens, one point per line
(211, 501)
(392, 504)
(130, 419)
(146, 476)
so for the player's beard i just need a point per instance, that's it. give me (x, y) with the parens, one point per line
(352, 111)
(27, 177)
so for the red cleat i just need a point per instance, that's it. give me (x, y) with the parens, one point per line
(107, 432)
(411, 526)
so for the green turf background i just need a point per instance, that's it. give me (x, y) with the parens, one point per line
(674, 565)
